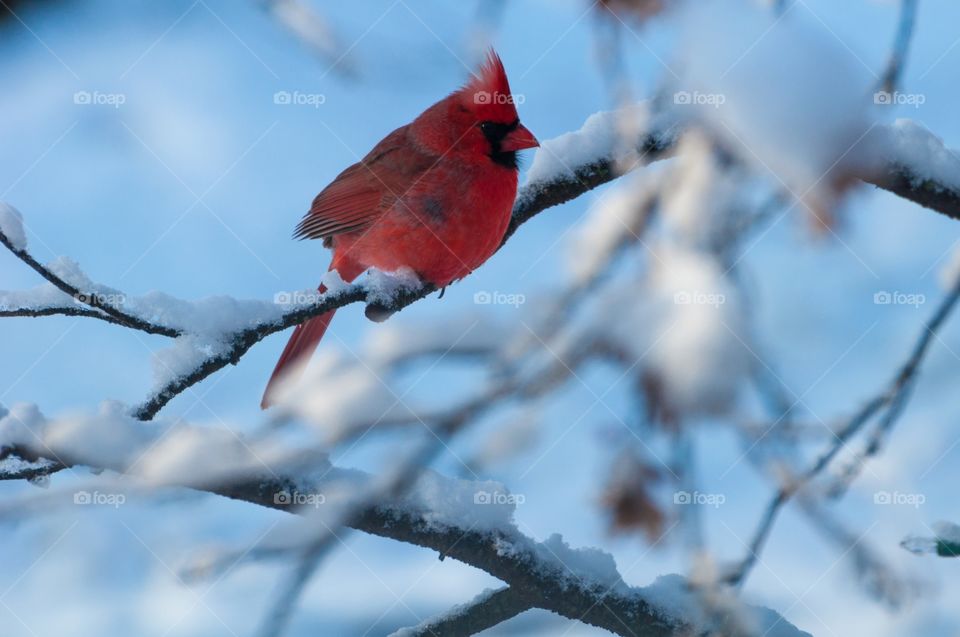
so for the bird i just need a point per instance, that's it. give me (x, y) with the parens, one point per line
(434, 196)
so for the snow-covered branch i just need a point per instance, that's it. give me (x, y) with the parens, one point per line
(915, 165)
(632, 366)
(13, 238)
(437, 513)
(910, 162)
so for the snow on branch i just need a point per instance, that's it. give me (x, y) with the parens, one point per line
(437, 513)
(573, 163)
(80, 290)
(915, 165)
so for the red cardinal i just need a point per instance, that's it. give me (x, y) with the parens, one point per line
(434, 196)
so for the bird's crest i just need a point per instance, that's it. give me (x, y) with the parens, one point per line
(487, 94)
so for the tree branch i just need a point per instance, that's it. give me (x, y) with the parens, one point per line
(485, 611)
(36, 312)
(908, 184)
(509, 556)
(897, 176)
(242, 341)
(88, 298)
(901, 44)
(892, 397)
(582, 585)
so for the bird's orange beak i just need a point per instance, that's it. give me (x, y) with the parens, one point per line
(518, 139)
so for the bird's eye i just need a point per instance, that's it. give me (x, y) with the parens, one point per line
(486, 127)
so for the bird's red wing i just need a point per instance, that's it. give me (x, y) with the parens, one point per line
(362, 193)
(351, 202)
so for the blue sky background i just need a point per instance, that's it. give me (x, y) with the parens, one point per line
(117, 189)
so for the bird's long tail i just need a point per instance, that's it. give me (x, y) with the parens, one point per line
(303, 342)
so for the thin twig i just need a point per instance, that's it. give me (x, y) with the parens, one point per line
(488, 610)
(901, 46)
(36, 312)
(89, 299)
(893, 396)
